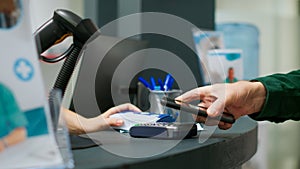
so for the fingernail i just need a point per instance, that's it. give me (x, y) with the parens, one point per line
(119, 122)
(178, 98)
(212, 112)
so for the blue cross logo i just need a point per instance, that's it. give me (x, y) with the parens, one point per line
(23, 69)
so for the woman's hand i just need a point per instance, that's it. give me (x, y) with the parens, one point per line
(113, 121)
(80, 125)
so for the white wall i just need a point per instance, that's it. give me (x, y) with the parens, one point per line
(278, 22)
(41, 11)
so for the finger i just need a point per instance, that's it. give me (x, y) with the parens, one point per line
(120, 108)
(128, 106)
(134, 108)
(115, 122)
(96, 124)
(199, 119)
(211, 121)
(224, 126)
(194, 94)
(204, 105)
(216, 108)
(206, 121)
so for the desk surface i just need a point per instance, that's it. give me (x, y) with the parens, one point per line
(224, 149)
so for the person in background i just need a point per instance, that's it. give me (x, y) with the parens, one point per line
(12, 120)
(274, 98)
(230, 78)
(9, 13)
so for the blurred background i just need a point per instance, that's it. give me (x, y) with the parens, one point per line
(279, 51)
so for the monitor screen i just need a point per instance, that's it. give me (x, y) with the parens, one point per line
(97, 78)
(110, 68)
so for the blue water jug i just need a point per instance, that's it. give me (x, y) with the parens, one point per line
(244, 36)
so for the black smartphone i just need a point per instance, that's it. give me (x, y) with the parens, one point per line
(197, 110)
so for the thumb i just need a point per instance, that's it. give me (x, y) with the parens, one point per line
(115, 122)
(216, 108)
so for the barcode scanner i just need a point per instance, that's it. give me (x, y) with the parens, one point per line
(63, 24)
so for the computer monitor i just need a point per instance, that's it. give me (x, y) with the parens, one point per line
(95, 84)
(110, 68)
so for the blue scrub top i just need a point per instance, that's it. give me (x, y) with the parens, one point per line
(11, 116)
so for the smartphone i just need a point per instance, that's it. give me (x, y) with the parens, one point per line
(197, 110)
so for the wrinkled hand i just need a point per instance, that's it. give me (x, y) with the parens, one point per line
(240, 98)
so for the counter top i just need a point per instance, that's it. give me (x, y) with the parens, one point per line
(223, 149)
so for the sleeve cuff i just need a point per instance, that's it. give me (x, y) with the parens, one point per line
(272, 101)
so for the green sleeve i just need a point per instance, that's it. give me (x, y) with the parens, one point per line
(16, 118)
(283, 97)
